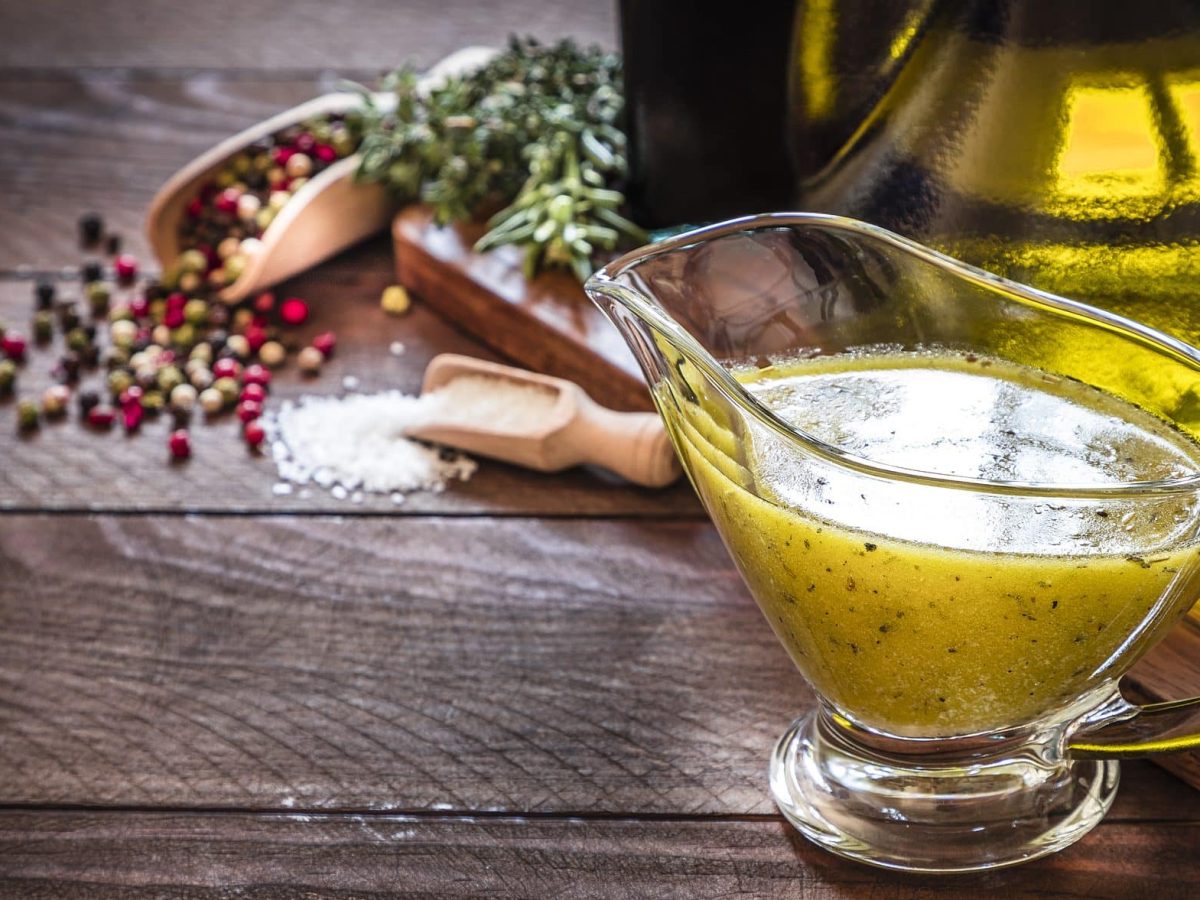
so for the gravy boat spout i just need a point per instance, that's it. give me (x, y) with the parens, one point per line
(965, 506)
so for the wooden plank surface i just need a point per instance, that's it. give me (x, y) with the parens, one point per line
(69, 466)
(280, 34)
(100, 855)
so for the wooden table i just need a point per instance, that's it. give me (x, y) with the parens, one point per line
(527, 685)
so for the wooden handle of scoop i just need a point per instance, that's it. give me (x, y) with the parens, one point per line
(634, 445)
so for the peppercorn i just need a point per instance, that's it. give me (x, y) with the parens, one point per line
(116, 358)
(169, 377)
(326, 342)
(200, 378)
(309, 360)
(228, 388)
(183, 396)
(131, 417)
(55, 400)
(101, 416)
(77, 340)
(293, 311)
(98, 296)
(248, 410)
(239, 345)
(123, 333)
(8, 377)
(192, 261)
(68, 366)
(395, 300)
(68, 315)
(264, 302)
(272, 354)
(190, 281)
(112, 244)
(119, 381)
(13, 345)
(161, 335)
(43, 327)
(254, 434)
(125, 267)
(179, 443)
(227, 367)
(184, 336)
(217, 339)
(255, 392)
(43, 295)
(211, 401)
(256, 374)
(153, 402)
(87, 400)
(91, 271)
(27, 415)
(91, 226)
(180, 418)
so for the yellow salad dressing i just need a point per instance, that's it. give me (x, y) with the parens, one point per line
(904, 613)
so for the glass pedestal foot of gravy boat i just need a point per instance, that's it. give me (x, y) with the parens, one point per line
(964, 506)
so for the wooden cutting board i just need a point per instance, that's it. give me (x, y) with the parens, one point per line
(547, 324)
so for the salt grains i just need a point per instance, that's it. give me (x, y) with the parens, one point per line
(358, 443)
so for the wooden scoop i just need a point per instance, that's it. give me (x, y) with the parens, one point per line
(577, 429)
(328, 214)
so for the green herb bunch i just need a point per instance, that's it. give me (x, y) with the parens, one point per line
(534, 132)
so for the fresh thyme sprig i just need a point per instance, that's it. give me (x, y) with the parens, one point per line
(534, 132)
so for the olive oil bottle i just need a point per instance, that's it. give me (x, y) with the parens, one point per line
(1056, 143)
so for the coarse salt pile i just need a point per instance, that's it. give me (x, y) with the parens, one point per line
(359, 442)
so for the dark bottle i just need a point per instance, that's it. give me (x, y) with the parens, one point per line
(706, 97)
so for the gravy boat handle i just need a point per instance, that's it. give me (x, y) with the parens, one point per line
(1134, 730)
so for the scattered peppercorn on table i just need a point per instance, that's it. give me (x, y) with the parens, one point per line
(526, 685)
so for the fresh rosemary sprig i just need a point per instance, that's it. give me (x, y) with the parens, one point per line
(535, 132)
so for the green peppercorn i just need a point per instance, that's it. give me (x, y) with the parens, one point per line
(195, 312)
(8, 376)
(202, 352)
(119, 381)
(228, 389)
(27, 415)
(153, 402)
(120, 312)
(116, 358)
(169, 377)
(68, 315)
(192, 261)
(98, 296)
(43, 326)
(157, 309)
(78, 339)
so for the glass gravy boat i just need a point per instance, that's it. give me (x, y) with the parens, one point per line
(968, 710)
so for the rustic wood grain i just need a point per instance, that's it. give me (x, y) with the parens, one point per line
(72, 143)
(523, 665)
(326, 663)
(89, 854)
(1171, 671)
(69, 466)
(287, 34)
(546, 323)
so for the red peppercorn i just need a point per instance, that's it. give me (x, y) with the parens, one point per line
(195, 208)
(101, 416)
(255, 336)
(176, 300)
(131, 416)
(131, 396)
(126, 267)
(282, 154)
(248, 410)
(227, 201)
(325, 342)
(13, 344)
(325, 153)
(256, 374)
(226, 367)
(173, 318)
(305, 142)
(180, 444)
(293, 311)
(254, 433)
(254, 391)
(139, 307)
(264, 302)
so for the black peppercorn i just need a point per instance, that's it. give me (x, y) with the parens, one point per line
(91, 226)
(68, 365)
(113, 244)
(91, 271)
(152, 290)
(181, 417)
(68, 315)
(90, 330)
(88, 400)
(217, 339)
(43, 295)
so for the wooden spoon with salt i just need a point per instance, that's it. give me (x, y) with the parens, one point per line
(574, 430)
